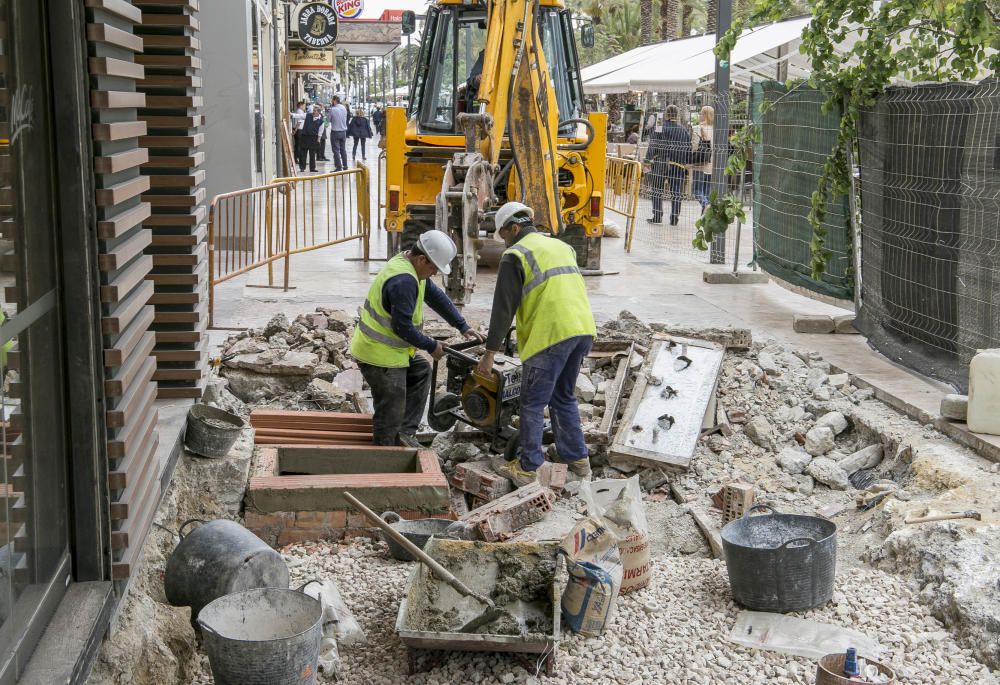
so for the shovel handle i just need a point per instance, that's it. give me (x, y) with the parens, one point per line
(439, 570)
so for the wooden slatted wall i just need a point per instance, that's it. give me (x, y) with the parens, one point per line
(179, 249)
(125, 292)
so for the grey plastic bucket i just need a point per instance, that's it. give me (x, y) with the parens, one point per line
(780, 562)
(418, 532)
(218, 558)
(203, 435)
(263, 637)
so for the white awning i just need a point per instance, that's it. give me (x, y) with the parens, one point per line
(687, 63)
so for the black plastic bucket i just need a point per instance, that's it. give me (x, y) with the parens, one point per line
(218, 558)
(211, 432)
(418, 532)
(780, 562)
(263, 637)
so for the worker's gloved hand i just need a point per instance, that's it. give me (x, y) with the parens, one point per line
(473, 335)
(438, 351)
(485, 367)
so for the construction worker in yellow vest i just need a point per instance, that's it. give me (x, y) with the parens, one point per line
(539, 283)
(388, 335)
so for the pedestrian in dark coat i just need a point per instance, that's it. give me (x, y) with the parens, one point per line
(360, 129)
(668, 156)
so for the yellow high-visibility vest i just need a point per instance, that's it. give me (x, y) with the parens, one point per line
(554, 304)
(374, 341)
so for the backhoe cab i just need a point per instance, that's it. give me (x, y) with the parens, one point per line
(495, 113)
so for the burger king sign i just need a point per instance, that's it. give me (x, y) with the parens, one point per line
(349, 9)
(317, 24)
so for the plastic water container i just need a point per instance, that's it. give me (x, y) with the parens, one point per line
(984, 392)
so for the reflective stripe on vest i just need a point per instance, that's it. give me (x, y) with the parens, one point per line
(374, 341)
(554, 303)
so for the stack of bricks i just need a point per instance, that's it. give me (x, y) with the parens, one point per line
(500, 519)
(276, 427)
(479, 480)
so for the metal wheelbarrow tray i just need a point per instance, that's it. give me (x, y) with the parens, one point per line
(432, 611)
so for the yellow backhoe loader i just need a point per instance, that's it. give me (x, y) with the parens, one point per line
(496, 112)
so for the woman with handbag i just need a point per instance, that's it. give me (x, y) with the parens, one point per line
(701, 155)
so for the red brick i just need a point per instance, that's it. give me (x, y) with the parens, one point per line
(291, 535)
(337, 519)
(254, 519)
(355, 520)
(311, 517)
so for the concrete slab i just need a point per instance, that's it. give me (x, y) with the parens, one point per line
(735, 278)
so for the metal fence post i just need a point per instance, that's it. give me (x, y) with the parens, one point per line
(268, 232)
(211, 264)
(288, 232)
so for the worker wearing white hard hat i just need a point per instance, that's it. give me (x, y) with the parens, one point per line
(540, 284)
(389, 335)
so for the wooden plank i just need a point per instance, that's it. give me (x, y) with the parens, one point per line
(177, 180)
(125, 252)
(109, 66)
(181, 239)
(140, 365)
(133, 335)
(179, 279)
(122, 447)
(140, 491)
(172, 20)
(170, 81)
(174, 101)
(189, 200)
(172, 122)
(109, 35)
(170, 317)
(112, 164)
(123, 284)
(178, 61)
(119, 8)
(139, 395)
(200, 253)
(192, 5)
(154, 40)
(179, 356)
(119, 224)
(172, 141)
(120, 317)
(121, 130)
(167, 392)
(176, 161)
(177, 337)
(116, 99)
(176, 298)
(177, 375)
(191, 219)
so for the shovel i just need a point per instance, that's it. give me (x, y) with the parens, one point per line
(491, 614)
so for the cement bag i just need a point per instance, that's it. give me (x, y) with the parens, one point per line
(338, 621)
(595, 577)
(618, 504)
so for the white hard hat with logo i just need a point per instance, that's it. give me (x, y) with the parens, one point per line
(510, 210)
(439, 248)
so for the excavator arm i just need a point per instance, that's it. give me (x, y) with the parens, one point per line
(516, 97)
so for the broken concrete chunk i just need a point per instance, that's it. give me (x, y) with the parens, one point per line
(829, 473)
(813, 323)
(824, 393)
(834, 420)
(585, 389)
(815, 378)
(768, 363)
(794, 460)
(791, 414)
(819, 440)
(277, 324)
(866, 458)
(325, 394)
(339, 321)
(838, 380)
(955, 407)
(294, 364)
(326, 371)
(844, 324)
(806, 483)
(247, 346)
(760, 432)
(586, 411)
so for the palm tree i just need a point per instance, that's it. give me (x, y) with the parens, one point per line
(645, 22)
(669, 16)
(711, 7)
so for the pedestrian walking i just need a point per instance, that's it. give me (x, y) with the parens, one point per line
(360, 130)
(540, 284)
(298, 119)
(322, 139)
(338, 134)
(668, 155)
(388, 335)
(312, 130)
(701, 155)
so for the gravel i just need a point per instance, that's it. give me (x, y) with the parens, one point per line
(674, 631)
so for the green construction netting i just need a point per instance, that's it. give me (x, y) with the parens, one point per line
(795, 139)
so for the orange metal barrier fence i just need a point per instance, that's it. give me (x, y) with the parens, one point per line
(622, 180)
(248, 229)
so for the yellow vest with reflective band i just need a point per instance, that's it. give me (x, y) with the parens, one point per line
(554, 303)
(374, 341)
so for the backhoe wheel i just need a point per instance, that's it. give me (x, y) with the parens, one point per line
(513, 449)
(440, 417)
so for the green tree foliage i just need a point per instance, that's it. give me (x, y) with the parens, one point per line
(857, 48)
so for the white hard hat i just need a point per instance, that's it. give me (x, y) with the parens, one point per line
(439, 248)
(509, 210)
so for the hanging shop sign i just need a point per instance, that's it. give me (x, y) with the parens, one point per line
(349, 9)
(317, 24)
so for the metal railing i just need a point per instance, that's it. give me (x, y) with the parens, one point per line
(248, 229)
(622, 180)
